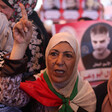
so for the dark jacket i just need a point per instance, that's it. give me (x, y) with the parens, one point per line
(101, 92)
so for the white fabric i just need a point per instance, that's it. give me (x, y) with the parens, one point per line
(85, 97)
(6, 39)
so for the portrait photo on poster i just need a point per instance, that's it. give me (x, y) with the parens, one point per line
(51, 4)
(71, 9)
(96, 46)
(91, 5)
(51, 9)
(70, 4)
(91, 9)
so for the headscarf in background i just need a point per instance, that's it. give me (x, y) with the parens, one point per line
(14, 4)
(107, 103)
(36, 49)
(85, 96)
(6, 38)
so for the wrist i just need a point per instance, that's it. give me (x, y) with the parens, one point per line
(18, 50)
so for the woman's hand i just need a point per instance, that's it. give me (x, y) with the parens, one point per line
(22, 33)
(22, 30)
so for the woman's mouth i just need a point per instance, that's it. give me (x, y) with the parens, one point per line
(60, 71)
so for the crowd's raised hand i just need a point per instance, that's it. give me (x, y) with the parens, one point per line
(22, 33)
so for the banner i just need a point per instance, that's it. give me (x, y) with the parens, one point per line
(95, 40)
(70, 10)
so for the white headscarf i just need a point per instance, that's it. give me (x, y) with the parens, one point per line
(6, 38)
(65, 37)
(85, 97)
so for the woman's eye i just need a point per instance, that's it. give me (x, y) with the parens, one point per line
(53, 54)
(68, 55)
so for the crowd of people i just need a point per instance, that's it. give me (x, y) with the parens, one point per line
(27, 50)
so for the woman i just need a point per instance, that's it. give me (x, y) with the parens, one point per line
(59, 88)
(36, 48)
(6, 38)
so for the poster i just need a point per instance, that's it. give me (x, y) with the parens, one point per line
(70, 10)
(95, 40)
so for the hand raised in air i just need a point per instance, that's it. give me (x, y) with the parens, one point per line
(22, 30)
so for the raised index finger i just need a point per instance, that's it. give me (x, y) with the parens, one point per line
(24, 13)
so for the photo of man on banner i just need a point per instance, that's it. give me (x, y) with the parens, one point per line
(95, 39)
(100, 55)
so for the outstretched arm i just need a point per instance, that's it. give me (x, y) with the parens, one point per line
(22, 33)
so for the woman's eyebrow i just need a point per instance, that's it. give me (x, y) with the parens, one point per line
(63, 52)
(71, 52)
(54, 50)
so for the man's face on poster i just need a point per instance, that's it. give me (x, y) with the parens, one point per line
(100, 42)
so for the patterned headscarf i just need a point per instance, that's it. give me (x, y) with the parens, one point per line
(14, 4)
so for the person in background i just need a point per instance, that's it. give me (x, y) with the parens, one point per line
(6, 38)
(37, 45)
(102, 92)
(36, 49)
(59, 87)
(104, 96)
(6, 44)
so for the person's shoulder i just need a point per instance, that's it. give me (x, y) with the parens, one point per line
(101, 89)
(100, 92)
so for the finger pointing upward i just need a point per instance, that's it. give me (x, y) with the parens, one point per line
(24, 13)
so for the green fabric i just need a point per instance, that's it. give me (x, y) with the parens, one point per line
(65, 106)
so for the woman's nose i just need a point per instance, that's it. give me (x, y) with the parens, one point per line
(60, 59)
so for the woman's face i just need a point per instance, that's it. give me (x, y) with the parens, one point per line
(60, 62)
